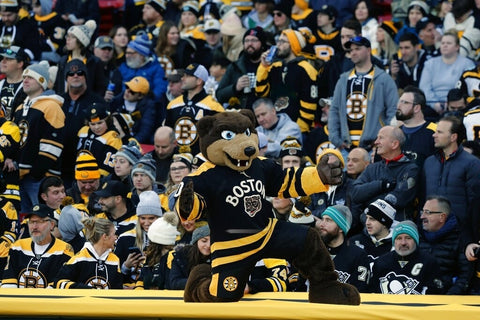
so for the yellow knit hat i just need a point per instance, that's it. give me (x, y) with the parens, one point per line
(296, 39)
(86, 167)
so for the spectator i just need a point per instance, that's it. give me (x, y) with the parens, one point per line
(282, 16)
(119, 36)
(125, 158)
(185, 258)
(9, 230)
(174, 90)
(451, 161)
(328, 36)
(456, 103)
(302, 15)
(345, 9)
(260, 16)
(141, 62)
(425, 29)
(184, 112)
(39, 257)
(363, 13)
(417, 9)
(78, 39)
(386, 49)
(376, 238)
(77, 101)
(41, 122)
(407, 270)
(153, 17)
(103, 49)
(450, 62)
(469, 84)
(164, 149)
(87, 179)
(418, 132)
(143, 177)
(233, 89)
(101, 269)
(393, 179)
(294, 92)
(276, 127)
(99, 138)
(172, 51)
(116, 207)
(364, 100)
(18, 31)
(440, 238)
(52, 193)
(71, 227)
(212, 47)
(180, 167)
(13, 63)
(137, 101)
(161, 235)
(351, 262)
(232, 34)
(408, 70)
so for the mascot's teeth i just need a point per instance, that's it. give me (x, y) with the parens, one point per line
(242, 163)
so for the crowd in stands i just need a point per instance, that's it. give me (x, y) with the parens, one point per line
(97, 132)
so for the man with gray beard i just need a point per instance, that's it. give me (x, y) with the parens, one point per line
(140, 61)
(418, 132)
(34, 262)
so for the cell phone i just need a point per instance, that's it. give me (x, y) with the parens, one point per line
(134, 250)
(397, 59)
(271, 54)
(476, 252)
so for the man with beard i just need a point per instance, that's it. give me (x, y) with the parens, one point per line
(139, 60)
(351, 262)
(165, 144)
(291, 82)
(34, 262)
(406, 270)
(231, 89)
(418, 132)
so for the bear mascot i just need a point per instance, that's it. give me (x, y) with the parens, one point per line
(231, 189)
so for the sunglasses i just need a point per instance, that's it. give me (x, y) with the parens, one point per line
(79, 73)
(131, 91)
(278, 14)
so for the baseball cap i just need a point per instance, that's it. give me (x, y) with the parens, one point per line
(43, 211)
(112, 188)
(211, 25)
(197, 70)
(422, 24)
(176, 75)
(359, 41)
(103, 42)
(139, 84)
(329, 11)
(15, 52)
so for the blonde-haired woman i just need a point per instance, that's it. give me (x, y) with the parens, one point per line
(95, 266)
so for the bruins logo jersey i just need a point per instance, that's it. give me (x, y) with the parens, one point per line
(469, 83)
(327, 44)
(357, 92)
(471, 120)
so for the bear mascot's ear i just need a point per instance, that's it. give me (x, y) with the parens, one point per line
(204, 125)
(249, 113)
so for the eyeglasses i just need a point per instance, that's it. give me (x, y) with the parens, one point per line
(129, 53)
(278, 14)
(79, 73)
(406, 102)
(281, 41)
(251, 40)
(428, 212)
(178, 168)
(40, 221)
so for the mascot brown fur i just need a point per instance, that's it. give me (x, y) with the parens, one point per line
(232, 186)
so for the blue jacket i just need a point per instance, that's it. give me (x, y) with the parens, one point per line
(152, 71)
(381, 108)
(457, 178)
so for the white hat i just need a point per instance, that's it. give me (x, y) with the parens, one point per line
(38, 72)
(84, 32)
(164, 230)
(211, 25)
(149, 204)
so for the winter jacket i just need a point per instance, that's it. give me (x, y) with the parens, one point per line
(152, 71)
(381, 108)
(285, 127)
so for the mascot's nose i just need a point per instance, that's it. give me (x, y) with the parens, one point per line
(249, 151)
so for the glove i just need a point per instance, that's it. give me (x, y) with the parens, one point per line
(329, 170)
(186, 199)
(388, 185)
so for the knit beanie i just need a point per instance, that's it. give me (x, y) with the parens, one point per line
(406, 227)
(125, 122)
(259, 33)
(164, 230)
(231, 24)
(285, 6)
(390, 28)
(192, 6)
(381, 211)
(141, 44)
(69, 222)
(198, 160)
(335, 152)
(39, 72)
(146, 165)
(75, 65)
(421, 5)
(296, 39)
(341, 215)
(96, 112)
(130, 152)
(301, 214)
(291, 146)
(9, 6)
(184, 156)
(200, 233)
(86, 167)
(84, 32)
(149, 204)
(158, 5)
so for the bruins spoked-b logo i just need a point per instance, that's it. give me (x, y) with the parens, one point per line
(356, 106)
(186, 131)
(23, 126)
(98, 283)
(32, 278)
(230, 283)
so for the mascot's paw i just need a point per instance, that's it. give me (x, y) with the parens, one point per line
(186, 199)
(198, 283)
(330, 170)
(334, 292)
